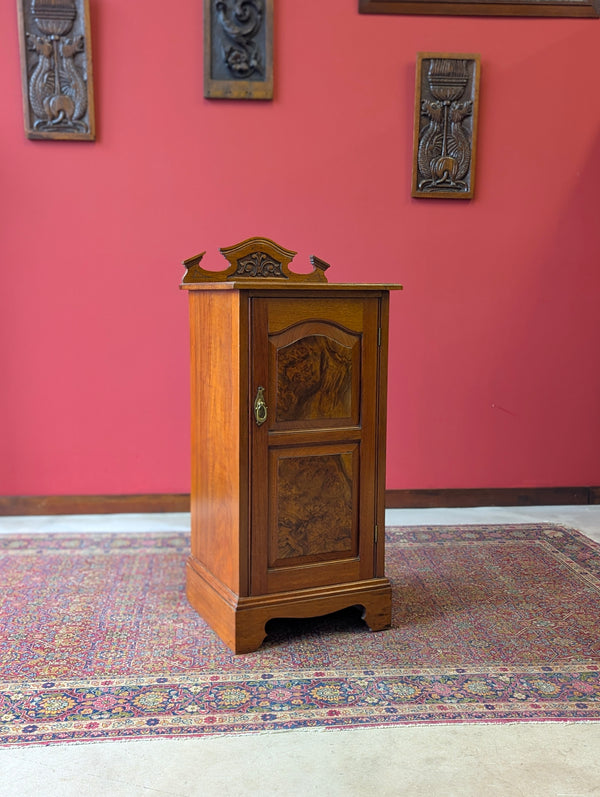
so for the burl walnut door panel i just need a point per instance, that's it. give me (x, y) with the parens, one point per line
(314, 371)
(317, 361)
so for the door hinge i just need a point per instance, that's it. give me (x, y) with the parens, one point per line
(376, 533)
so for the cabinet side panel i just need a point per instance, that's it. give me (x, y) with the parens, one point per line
(382, 429)
(215, 433)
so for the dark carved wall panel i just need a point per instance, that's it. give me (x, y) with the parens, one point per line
(56, 68)
(446, 104)
(238, 49)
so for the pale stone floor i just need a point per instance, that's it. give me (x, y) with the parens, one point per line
(520, 760)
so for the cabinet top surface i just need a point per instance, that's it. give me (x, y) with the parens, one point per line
(283, 285)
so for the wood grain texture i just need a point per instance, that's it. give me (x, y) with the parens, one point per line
(219, 495)
(92, 504)
(314, 513)
(381, 431)
(286, 504)
(488, 8)
(517, 496)
(241, 622)
(314, 379)
(11, 505)
(353, 320)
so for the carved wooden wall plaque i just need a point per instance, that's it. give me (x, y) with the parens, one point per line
(238, 49)
(56, 69)
(486, 8)
(445, 133)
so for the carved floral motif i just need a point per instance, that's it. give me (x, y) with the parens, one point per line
(254, 258)
(57, 80)
(240, 22)
(259, 264)
(446, 121)
(444, 149)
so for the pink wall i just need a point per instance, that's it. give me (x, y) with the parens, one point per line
(493, 361)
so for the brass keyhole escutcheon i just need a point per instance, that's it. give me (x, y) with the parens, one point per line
(260, 407)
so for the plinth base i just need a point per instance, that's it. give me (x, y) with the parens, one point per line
(241, 621)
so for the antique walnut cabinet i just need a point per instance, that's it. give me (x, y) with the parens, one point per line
(289, 380)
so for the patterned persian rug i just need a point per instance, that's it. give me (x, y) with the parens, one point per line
(490, 623)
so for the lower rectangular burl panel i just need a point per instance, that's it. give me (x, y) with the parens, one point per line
(240, 622)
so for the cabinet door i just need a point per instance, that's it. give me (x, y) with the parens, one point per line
(313, 460)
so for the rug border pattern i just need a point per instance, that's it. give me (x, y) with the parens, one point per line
(136, 707)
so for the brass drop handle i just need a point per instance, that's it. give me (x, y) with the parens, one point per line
(260, 407)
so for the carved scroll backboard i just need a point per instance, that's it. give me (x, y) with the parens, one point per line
(56, 69)
(238, 49)
(445, 132)
(255, 258)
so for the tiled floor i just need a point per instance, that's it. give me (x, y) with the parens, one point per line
(521, 760)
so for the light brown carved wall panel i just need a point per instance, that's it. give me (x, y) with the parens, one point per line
(56, 69)
(445, 132)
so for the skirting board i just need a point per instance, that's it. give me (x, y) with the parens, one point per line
(502, 496)
(92, 504)
(394, 499)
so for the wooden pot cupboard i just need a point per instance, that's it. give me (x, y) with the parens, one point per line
(288, 376)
